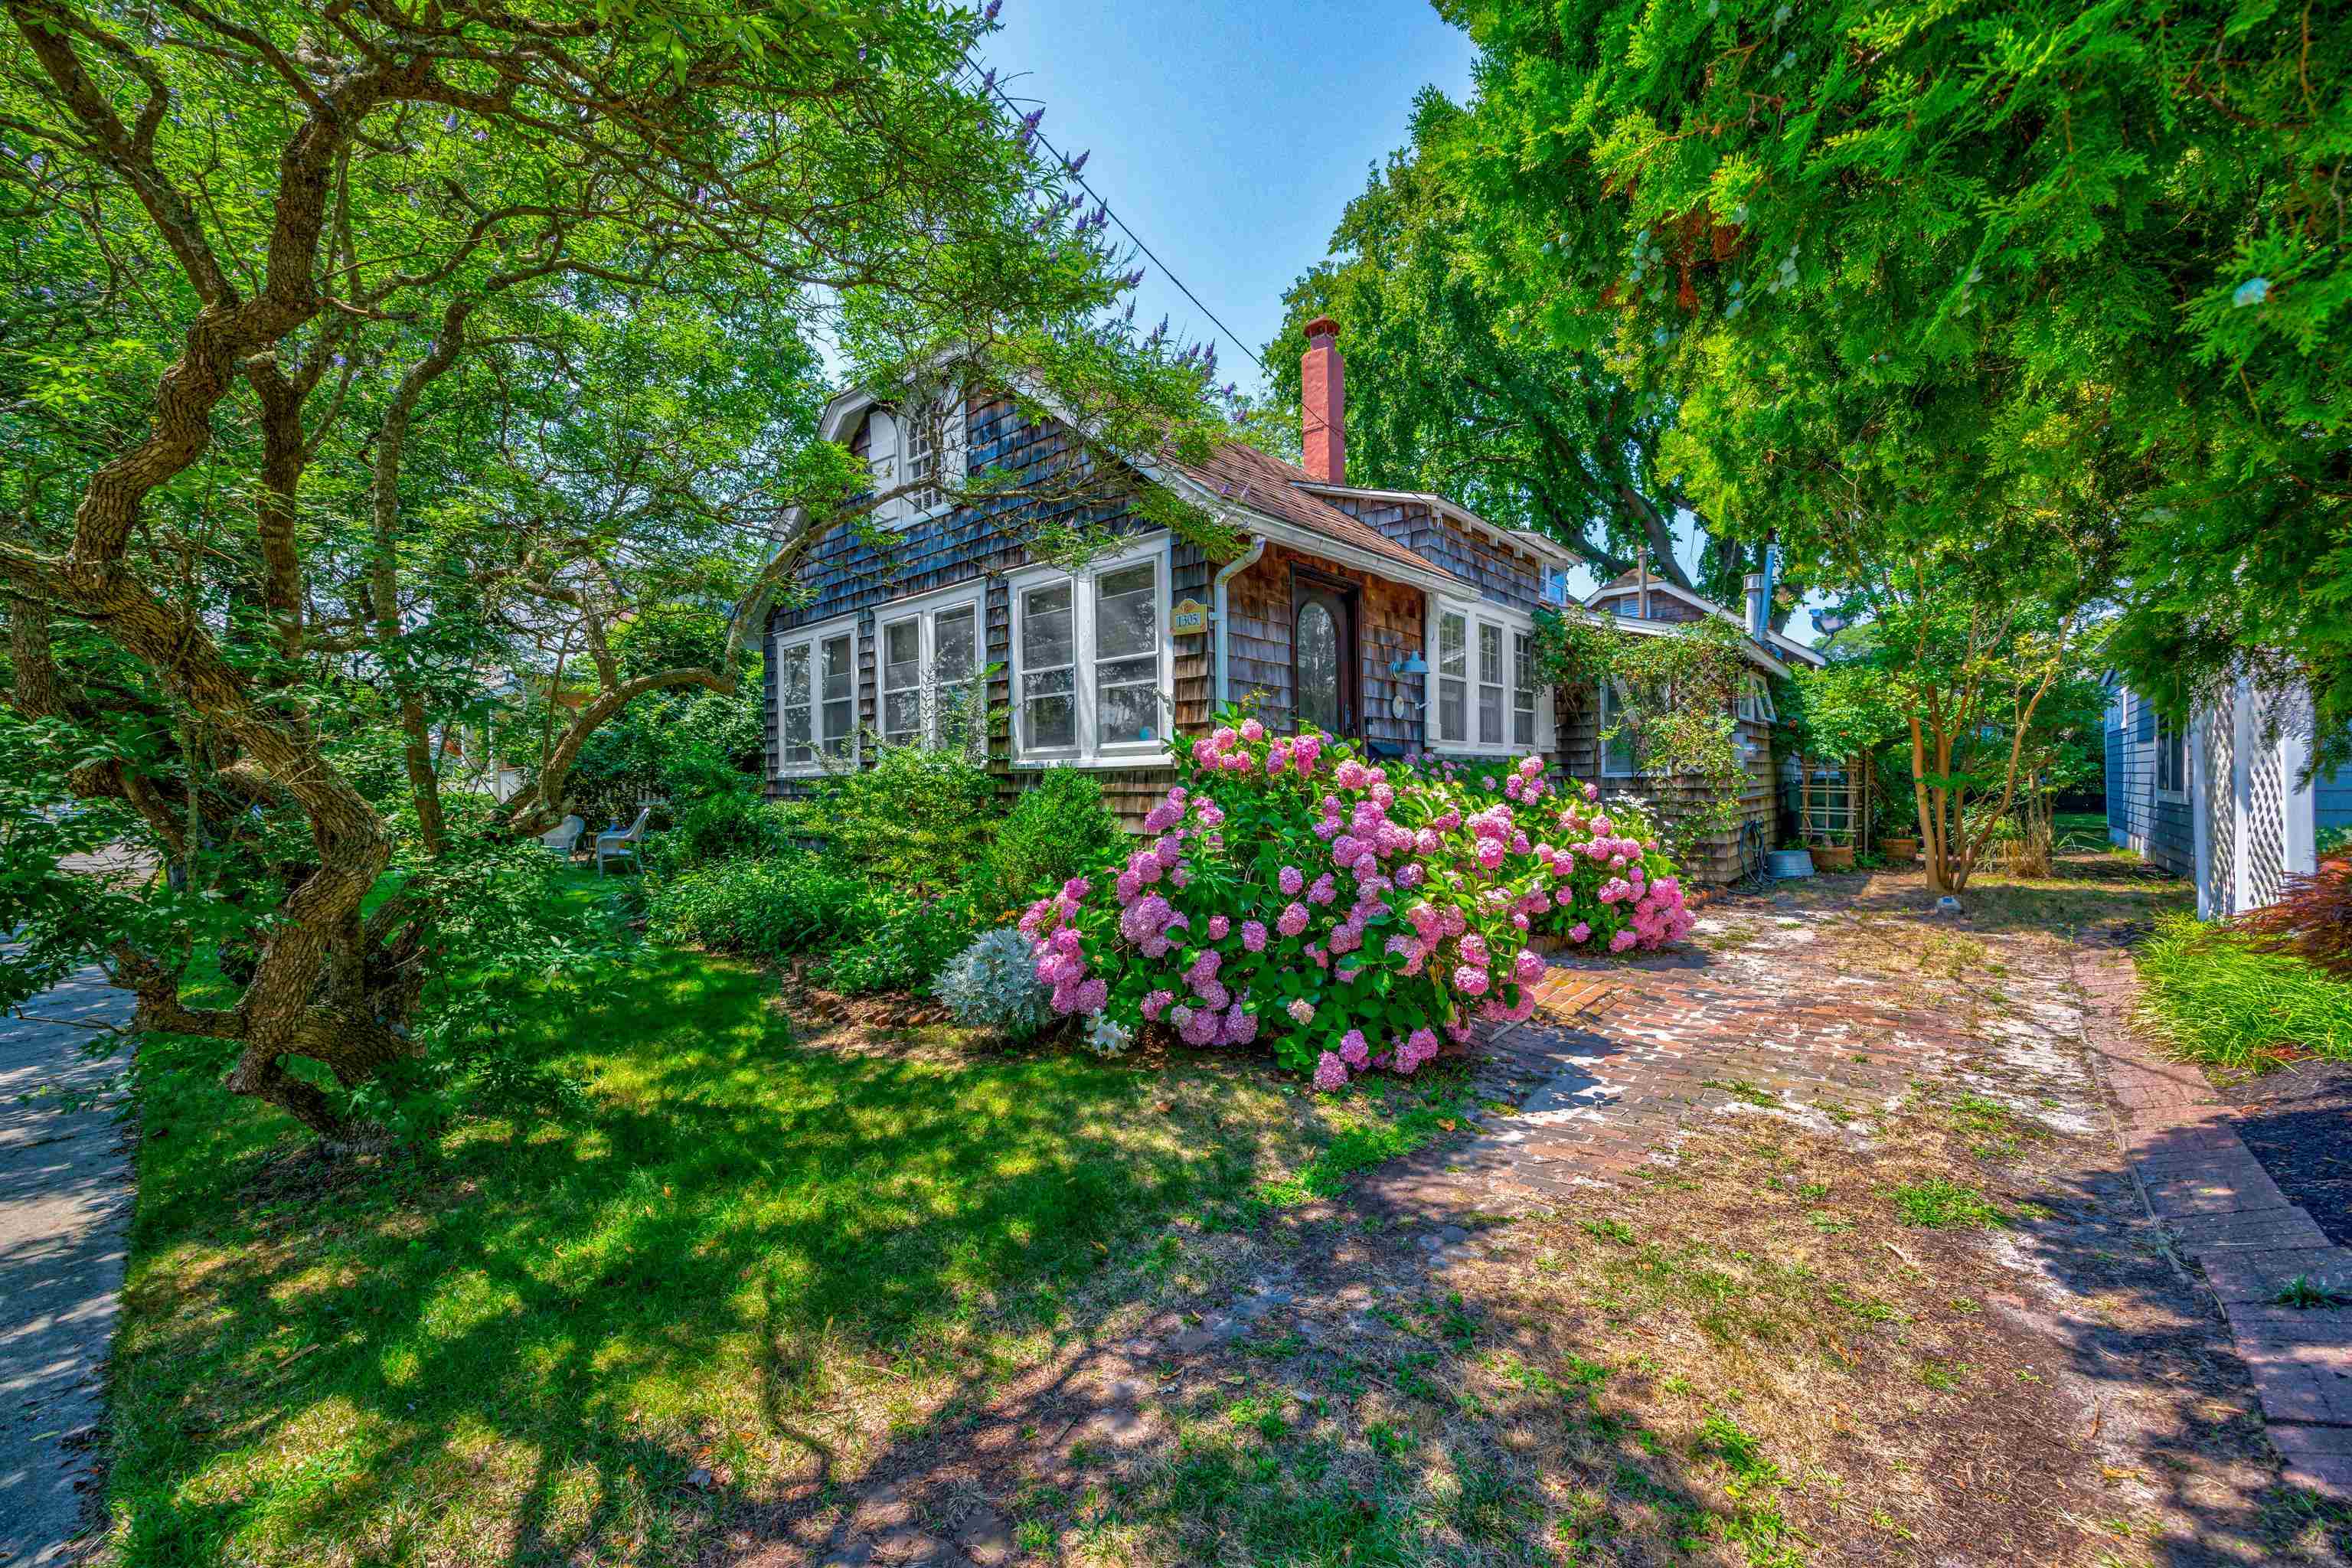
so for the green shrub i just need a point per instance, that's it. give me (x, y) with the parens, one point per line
(2215, 997)
(1057, 828)
(919, 817)
(903, 941)
(870, 936)
(772, 908)
(724, 826)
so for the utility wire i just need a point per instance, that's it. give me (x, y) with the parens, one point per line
(1151, 255)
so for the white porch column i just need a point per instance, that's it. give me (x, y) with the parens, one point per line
(2299, 800)
(2242, 797)
(2201, 806)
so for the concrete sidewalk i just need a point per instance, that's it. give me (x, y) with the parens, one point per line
(65, 1206)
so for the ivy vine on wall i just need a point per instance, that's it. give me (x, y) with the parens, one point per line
(1673, 703)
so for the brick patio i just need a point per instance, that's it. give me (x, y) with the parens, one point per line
(1623, 1059)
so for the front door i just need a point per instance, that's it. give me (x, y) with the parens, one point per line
(1324, 674)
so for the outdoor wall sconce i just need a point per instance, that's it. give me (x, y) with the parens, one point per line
(1411, 664)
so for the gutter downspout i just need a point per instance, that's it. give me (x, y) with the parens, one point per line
(1225, 573)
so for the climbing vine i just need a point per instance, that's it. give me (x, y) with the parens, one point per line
(1672, 704)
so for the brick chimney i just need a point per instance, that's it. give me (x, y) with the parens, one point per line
(1323, 402)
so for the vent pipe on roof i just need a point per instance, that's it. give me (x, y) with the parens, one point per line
(1323, 402)
(1757, 617)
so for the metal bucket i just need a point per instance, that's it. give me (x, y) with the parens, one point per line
(1790, 863)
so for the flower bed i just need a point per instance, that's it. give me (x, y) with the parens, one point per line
(1347, 916)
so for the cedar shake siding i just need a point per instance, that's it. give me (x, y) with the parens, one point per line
(1724, 857)
(1261, 610)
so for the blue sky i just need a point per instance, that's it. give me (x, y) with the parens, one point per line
(1231, 135)
(1228, 135)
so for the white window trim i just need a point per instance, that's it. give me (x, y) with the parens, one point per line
(1090, 752)
(812, 636)
(1511, 622)
(1605, 697)
(2156, 765)
(954, 455)
(924, 609)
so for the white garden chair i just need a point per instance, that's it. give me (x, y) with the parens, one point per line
(622, 845)
(563, 838)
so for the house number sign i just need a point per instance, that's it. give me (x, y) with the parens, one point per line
(1190, 618)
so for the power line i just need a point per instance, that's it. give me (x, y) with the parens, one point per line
(1151, 255)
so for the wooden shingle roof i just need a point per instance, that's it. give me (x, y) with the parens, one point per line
(1241, 474)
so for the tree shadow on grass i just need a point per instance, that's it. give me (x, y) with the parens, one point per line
(530, 1341)
(1745, 1353)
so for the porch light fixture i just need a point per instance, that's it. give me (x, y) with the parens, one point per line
(1411, 664)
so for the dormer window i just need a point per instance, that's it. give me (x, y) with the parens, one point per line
(913, 448)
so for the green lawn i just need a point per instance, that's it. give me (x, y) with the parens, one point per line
(518, 1342)
(2215, 999)
(2078, 831)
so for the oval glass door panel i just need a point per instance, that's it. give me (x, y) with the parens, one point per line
(1318, 659)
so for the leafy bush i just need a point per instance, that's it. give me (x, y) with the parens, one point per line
(902, 941)
(721, 826)
(772, 908)
(873, 937)
(2217, 997)
(993, 984)
(1230, 926)
(1611, 861)
(1057, 829)
(919, 818)
(2312, 919)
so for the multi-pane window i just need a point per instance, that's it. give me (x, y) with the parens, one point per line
(836, 660)
(1092, 663)
(913, 448)
(1484, 694)
(1127, 653)
(2171, 761)
(1523, 690)
(902, 681)
(1490, 684)
(1452, 676)
(816, 696)
(921, 432)
(1756, 701)
(1049, 668)
(794, 731)
(929, 655)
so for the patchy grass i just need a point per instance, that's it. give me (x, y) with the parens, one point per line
(2214, 999)
(529, 1341)
(1682, 1373)
(1938, 1202)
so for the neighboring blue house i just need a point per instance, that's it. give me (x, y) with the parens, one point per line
(2219, 800)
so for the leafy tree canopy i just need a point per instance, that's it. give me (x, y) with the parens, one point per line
(353, 359)
(2069, 280)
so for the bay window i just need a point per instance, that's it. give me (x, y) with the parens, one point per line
(817, 697)
(1093, 667)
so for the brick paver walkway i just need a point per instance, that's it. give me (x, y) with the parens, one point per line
(1765, 1017)
(2232, 1219)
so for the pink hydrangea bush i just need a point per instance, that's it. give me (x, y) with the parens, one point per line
(1349, 917)
(1614, 887)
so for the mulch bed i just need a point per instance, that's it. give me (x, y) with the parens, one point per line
(2297, 1122)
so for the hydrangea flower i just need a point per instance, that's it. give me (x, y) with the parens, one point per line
(1330, 1072)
